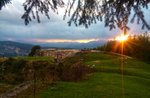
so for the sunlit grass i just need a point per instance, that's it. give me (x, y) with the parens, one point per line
(100, 85)
(106, 82)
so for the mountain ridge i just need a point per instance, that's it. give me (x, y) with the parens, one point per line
(12, 48)
(75, 45)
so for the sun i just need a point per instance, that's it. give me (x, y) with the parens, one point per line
(122, 38)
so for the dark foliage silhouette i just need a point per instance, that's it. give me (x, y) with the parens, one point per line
(35, 7)
(114, 13)
(34, 50)
(137, 46)
(3, 3)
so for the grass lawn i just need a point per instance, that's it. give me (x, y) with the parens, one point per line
(36, 58)
(100, 85)
(107, 81)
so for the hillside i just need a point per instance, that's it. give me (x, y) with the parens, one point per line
(108, 80)
(9, 48)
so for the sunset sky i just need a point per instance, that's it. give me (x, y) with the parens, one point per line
(54, 30)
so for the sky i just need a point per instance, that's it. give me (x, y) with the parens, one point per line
(56, 29)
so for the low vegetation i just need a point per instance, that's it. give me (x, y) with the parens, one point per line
(43, 70)
(106, 81)
(90, 75)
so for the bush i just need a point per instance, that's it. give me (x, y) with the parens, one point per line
(75, 72)
(19, 70)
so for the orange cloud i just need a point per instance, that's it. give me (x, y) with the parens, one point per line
(64, 40)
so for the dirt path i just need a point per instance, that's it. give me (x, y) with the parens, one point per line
(15, 91)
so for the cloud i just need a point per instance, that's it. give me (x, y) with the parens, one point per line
(62, 40)
(12, 27)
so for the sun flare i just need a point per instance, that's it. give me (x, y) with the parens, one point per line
(122, 38)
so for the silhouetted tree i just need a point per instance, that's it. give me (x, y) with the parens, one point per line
(43, 6)
(34, 50)
(3, 3)
(115, 13)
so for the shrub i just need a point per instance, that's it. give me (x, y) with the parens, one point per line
(75, 72)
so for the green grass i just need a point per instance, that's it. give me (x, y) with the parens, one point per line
(100, 85)
(112, 64)
(107, 81)
(36, 58)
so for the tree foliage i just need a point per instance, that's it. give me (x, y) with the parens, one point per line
(137, 46)
(3, 3)
(35, 7)
(115, 13)
(34, 50)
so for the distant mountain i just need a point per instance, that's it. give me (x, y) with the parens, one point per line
(91, 44)
(9, 48)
